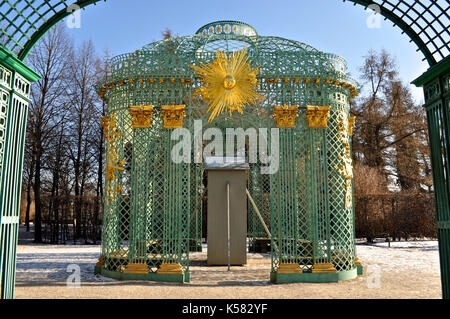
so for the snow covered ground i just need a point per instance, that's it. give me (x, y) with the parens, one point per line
(403, 270)
(51, 262)
(421, 256)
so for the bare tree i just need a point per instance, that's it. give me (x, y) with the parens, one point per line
(372, 112)
(57, 164)
(84, 116)
(167, 34)
(50, 58)
(28, 174)
(103, 72)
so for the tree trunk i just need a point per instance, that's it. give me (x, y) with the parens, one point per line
(27, 212)
(37, 203)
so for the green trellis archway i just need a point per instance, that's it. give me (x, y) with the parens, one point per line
(23, 23)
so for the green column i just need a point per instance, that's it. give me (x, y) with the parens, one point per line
(15, 78)
(139, 195)
(284, 222)
(140, 189)
(436, 84)
(171, 205)
(318, 194)
(176, 221)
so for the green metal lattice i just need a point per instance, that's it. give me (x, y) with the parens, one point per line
(23, 23)
(14, 92)
(427, 23)
(436, 84)
(160, 203)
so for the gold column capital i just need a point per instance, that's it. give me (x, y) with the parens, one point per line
(173, 115)
(317, 116)
(142, 115)
(285, 115)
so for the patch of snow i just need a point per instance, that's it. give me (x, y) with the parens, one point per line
(417, 256)
(51, 262)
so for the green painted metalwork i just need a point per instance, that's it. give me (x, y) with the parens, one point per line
(25, 22)
(10, 61)
(14, 92)
(425, 22)
(148, 222)
(303, 202)
(436, 85)
(315, 278)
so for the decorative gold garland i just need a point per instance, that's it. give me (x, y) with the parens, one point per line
(112, 158)
(347, 166)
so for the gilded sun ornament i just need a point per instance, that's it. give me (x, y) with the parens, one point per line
(228, 83)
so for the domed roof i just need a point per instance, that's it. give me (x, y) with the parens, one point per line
(229, 36)
(278, 57)
(227, 27)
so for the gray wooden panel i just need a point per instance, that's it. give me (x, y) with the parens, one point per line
(217, 216)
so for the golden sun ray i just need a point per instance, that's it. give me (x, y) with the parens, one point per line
(228, 83)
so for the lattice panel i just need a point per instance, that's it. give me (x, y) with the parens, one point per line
(148, 221)
(259, 188)
(341, 221)
(196, 199)
(427, 23)
(116, 216)
(24, 22)
(323, 227)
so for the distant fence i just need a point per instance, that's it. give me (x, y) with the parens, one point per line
(59, 219)
(395, 216)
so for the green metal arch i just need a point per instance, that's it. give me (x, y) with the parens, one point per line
(431, 35)
(36, 16)
(425, 46)
(48, 25)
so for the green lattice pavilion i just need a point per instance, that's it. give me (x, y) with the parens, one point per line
(153, 207)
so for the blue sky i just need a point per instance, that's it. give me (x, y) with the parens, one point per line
(328, 25)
